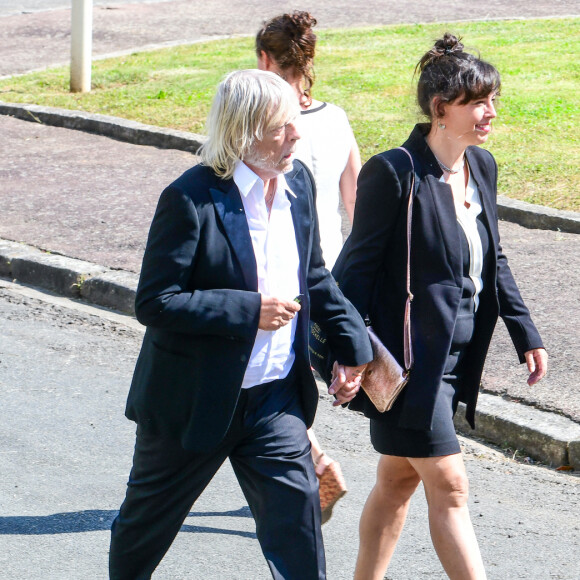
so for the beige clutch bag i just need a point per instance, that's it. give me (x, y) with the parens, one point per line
(383, 378)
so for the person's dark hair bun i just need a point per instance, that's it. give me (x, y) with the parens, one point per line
(447, 46)
(298, 23)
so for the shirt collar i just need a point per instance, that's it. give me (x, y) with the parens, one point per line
(245, 179)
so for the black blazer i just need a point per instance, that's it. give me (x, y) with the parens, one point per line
(198, 297)
(373, 273)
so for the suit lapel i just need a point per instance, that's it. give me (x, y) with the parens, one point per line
(442, 200)
(301, 221)
(486, 194)
(230, 210)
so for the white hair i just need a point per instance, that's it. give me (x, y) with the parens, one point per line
(247, 104)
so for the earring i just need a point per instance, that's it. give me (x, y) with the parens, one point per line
(441, 125)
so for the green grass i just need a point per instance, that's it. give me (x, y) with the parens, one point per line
(369, 73)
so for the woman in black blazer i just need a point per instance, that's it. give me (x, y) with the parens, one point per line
(460, 281)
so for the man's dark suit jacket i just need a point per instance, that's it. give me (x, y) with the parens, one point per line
(198, 296)
(373, 273)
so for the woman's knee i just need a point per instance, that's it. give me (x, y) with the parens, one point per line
(396, 479)
(450, 490)
(445, 480)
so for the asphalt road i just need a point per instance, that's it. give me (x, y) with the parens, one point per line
(65, 453)
(9, 7)
(42, 38)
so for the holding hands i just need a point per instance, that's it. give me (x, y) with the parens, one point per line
(346, 383)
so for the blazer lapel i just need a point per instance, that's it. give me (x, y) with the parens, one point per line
(230, 210)
(442, 200)
(301, 221)
(486, 194)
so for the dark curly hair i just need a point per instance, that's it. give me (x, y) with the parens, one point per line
(290, 41)
(448, 72)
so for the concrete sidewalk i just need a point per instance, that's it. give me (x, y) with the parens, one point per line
(76, 208)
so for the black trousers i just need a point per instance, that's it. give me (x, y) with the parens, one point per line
(269, 451)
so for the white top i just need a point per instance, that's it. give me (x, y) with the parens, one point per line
(467, 218)
(276, 252)
(325, 145)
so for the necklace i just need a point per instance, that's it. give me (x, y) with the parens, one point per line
(448, 169)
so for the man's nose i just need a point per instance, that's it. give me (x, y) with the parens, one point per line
(292, 132)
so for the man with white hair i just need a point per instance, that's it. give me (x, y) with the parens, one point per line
(231, 274)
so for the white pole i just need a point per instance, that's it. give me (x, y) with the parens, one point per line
(81, 45)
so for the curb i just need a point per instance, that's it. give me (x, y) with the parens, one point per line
(525, 214)
(112, 127)
(544, 436)
(69, 277)
(539, 217)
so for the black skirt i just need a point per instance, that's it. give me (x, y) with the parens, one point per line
(390, 439)
(386, 435)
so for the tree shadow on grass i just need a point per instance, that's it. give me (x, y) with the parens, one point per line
(101, 520)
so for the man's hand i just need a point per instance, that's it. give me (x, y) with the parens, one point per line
(346, 383)
(276, 313)
(537, 360)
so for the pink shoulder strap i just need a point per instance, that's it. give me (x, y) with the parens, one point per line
(407, 344)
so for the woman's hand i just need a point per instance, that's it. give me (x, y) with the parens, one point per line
(346, 383)
(537, 360)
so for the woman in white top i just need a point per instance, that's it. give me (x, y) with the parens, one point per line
(286, 45)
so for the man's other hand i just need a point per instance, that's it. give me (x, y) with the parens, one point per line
(276, 313)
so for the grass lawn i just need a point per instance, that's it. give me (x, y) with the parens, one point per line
(369, 72)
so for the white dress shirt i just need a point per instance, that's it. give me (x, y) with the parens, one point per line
(467, 218)
(276, 252)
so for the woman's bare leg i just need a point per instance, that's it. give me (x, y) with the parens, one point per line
(384, 515)
(447, 490)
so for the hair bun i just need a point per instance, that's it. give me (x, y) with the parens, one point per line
(298, 23)
(447, 45)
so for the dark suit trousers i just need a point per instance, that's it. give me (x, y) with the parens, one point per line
(269, 451)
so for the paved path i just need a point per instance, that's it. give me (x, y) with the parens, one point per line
(66, 453)
(92, 198)
(10, 7)
(38, 39)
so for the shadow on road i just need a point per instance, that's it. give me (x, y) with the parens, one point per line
(101, 520)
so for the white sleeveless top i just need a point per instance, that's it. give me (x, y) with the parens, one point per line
(325, 145)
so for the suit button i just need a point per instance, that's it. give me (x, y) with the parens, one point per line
(243, 358)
